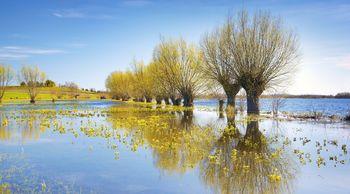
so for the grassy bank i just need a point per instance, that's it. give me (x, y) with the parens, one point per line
(17, 94)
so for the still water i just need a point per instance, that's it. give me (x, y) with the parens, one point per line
(111, 147)
(326, 106)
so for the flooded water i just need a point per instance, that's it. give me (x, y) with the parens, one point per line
(326, 106)
(111, 147)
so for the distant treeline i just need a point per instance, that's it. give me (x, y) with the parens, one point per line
(345, 95)
(339, 95)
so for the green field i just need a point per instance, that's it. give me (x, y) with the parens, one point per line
(15, 94)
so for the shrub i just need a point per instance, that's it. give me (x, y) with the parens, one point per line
(347, 117)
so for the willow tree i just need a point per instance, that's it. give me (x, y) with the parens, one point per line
(6, 76)
(264, 53)
(218, 61)
(120, 84)
(33, 78)
(143, 83)
(180, 63)
(163, 83)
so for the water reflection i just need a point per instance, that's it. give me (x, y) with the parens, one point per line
(229, 162)
(176, 142)
(22, 127)
(234, 156)
(247, 163)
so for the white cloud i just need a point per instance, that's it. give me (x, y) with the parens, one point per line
(68, 14)
(18, 52)
(12, 56)
(80, 14)
(27, 50)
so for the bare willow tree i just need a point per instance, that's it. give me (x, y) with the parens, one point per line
(163, 84)
(181, 64)
(73, 89)
(33, 78)
(6, 76)
(218, 61)
(264, 53)
(277, 102)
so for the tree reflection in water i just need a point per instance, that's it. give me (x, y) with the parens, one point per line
(229, 161)
(176, 142)
(28, 125)
(247, 163)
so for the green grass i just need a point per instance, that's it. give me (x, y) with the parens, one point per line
(15, 94)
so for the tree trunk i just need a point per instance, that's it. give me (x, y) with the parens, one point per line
(177, 102)
(159, 100)
(253, 104)
(231, 102)
(188, 100)
(166, 100)
(32, 100)
(173, 99)
(221, 105)
(2, 95)
(231, 92)
(221, 115)
(148, 99)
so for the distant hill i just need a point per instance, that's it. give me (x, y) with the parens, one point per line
(19, 93)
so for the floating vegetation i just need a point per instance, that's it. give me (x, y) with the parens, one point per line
(230, 158)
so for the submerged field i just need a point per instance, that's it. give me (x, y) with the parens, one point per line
(114, 147)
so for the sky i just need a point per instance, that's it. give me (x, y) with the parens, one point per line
(83, 41)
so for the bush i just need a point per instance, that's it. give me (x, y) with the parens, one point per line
(49, 83)
(343, 95)
(347, 117)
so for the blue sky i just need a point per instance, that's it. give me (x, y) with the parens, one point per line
(83, 41)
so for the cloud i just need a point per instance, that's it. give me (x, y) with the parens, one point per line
(18, 52)
(27, 50)
(80, 14)
(68, 13)
(137, 3)
(12, 56)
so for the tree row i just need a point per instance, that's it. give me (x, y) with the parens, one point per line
(255, 52)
